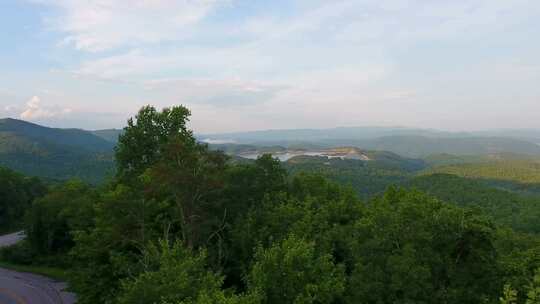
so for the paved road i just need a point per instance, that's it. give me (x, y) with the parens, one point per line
(26, 288)
(10, 239)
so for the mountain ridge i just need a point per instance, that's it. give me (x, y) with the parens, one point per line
(64, 153)
(54, 153)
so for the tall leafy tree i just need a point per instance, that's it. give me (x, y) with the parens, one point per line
(167, 186)
(191, 177)
(144, 138)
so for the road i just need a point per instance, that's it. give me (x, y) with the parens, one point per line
(11, 239)
(25, 288)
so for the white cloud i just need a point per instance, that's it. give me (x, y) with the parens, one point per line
(146, 63)
(9, 108)
(320, 63)
(325, 34)
(101, 25)
(8, 111)
(221, 92)
(35, 110)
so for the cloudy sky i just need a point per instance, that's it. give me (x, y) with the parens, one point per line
(258, 64)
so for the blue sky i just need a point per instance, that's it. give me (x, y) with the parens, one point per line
(249, 65)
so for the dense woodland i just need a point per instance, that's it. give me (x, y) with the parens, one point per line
(518, 175)
(181, 223)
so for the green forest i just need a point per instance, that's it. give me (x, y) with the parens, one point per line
(181, 223)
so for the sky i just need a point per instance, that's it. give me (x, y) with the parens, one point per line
(258, 64)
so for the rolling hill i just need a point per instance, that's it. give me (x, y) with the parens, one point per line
(505, 207)
(54, 153)
(65, 153)
(421, 146)
(366, 177)
(517, 175)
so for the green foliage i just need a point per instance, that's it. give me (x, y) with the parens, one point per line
(67, 208)
(16, 195)
(422, 146)
(368, 178)
(533, 294)
(313, 209)
(168, 186)
(520, 175)
(522, 213)
(51, 272)
(108, 252)
(140, 144)
(509, 295)
(190, 177)
(173, 274)
(18, 254)
(445, 159)
(246, 185)
(293, 272)
(410, 248)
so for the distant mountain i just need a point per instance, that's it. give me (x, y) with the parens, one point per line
(64, 153)
(525, 134)
(110, 135)
(358, 133)
(403, 141)
(445, 159)
(54, 153)
(74, 138)
(317, 135)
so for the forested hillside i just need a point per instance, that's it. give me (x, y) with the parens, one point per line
(520, 175)
(61, 154)
(506, 198)
(507, 208)
(180, 223)
(367, 178)
(51, 153)
(521, 171)
(421, 146)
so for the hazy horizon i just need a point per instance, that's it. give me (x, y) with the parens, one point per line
(308, 129)
(248, 65)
